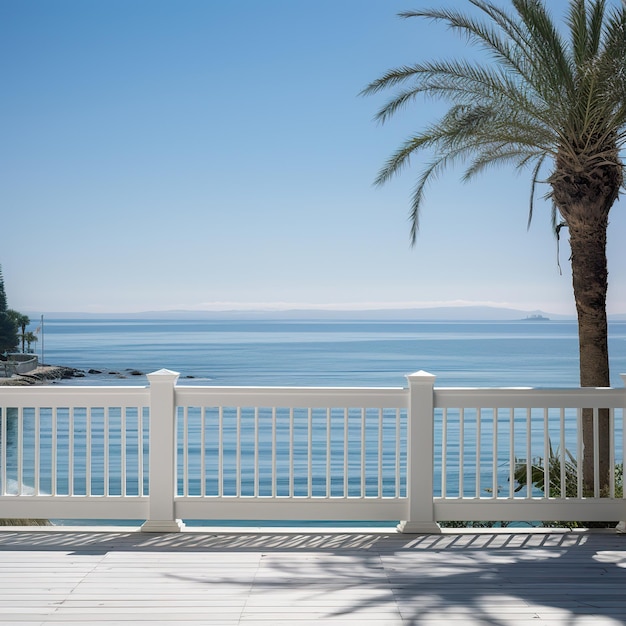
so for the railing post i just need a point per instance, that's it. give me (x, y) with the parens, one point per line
(621, 526)
(420, 456)
(162, 466)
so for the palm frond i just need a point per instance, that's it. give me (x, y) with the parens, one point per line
(596, 21)
(430, 172)
(537, 97)
(546, 49)
(533, 187)
(493, 154)
(577, 22)
(400, 158)
(506, 47)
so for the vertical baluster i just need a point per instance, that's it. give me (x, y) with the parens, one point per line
(328, 453)
(106, 455)
(546, 454)
(494, 454)
(139, 443)
(529, 477)
(53, 452)
(185, 446)
(444, 448)
(274, 445)
(511, 453)
(88, 450)
(363, 455)
(291, 454)
(19, 456)
(562, 452)
(71, 452)
(255, 487)
(37, 451)
(623, 445)
(220, 451)
(611, 453)
(238, 478)
(203, 426)
(461, 452)
(123, 468)
(381, 414)
(310, 452)
(478, 451)
(346, 421)
(398, 481)
(579, 452)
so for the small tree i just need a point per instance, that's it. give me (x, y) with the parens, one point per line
(8, 327)
(563, 483)
(29, 338)
(21, 321)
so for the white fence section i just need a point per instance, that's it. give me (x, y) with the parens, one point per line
(419, 454)
(75, 453)
(492, 445)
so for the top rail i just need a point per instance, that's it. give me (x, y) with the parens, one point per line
(529, 398)
(295, 397)
(47, 396)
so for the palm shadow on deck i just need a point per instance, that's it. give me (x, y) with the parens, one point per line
(482, 578)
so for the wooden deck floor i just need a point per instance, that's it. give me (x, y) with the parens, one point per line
(297, 578)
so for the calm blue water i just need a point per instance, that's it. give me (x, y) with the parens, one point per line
(538, 354)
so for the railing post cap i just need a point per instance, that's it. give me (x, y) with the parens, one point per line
(421, 377)
(623, 377)
(162, 376)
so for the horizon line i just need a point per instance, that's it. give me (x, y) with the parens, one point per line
(286, 307)
(457, 313)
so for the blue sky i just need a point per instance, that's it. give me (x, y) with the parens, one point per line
(207, 154)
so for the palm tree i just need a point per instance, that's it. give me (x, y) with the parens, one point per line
(8, 327)
(21, 321)
(539, 100)
(29, 338)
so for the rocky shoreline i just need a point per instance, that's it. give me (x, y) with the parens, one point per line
(49, 373)
(41, 374)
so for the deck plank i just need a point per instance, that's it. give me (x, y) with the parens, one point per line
(340, 578)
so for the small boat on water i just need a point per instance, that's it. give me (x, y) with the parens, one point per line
(536, 318)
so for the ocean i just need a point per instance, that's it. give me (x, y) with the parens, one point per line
(324, 353)
(321, 353)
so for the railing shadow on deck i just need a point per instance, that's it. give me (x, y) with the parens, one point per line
(487, 578)
(318, 540)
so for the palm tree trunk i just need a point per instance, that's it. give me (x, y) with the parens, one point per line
(589, 273)
(25, 322)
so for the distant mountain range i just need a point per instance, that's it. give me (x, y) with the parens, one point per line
(460, 313)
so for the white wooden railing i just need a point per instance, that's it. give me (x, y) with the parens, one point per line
(418, 454)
